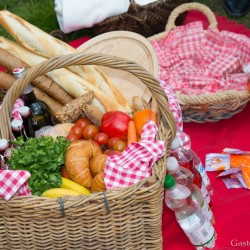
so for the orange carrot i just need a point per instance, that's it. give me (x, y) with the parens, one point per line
(132, 137)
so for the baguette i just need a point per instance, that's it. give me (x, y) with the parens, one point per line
(41, 43)
(7, 80)
(70, 82)
(10, 62)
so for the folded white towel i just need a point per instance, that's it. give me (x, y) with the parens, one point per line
(78, 14)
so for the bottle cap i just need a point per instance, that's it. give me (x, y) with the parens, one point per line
(172, 164)
(24, 110)
(176, 143)
(16, 124)
(169, 181)
(3, 144)
(17, 72)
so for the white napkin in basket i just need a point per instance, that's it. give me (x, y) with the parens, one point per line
(78, 14)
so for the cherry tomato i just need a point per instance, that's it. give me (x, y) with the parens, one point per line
(101, 138)
(76, 130)
(120, 145)
(83, 122)
(90, 131)
(72, 137)
(112, 141)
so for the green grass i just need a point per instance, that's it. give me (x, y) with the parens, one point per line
(41, 13)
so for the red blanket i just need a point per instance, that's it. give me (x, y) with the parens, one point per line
(230, 206)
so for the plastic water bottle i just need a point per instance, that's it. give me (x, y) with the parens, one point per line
(190, 217)
(185, 159)
(186, 143)
(184, 177)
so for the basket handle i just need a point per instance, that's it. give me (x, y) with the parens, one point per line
(167, 121)
(191, 6)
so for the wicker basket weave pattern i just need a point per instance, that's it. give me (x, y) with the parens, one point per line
(209, 107)
(127, 218)
(146, 20)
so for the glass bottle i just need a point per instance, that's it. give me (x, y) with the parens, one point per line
(4, 145)
(40, 112)
(27, 121)
(189, 216)
(17, 129)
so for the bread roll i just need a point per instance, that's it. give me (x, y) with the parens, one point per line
(78, 155)
(45, 45)
(72, 83)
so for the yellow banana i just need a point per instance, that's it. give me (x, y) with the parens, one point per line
(67, 183)
(59, 192)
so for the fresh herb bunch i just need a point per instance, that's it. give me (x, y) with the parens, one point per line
(43, 158)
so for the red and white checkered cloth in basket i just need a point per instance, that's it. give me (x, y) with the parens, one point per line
(195, 61)
(135, 162)
(14, 182)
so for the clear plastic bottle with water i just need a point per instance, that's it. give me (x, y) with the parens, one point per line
(185, 158)
(186, 143)
(190, 217)
(185, 177)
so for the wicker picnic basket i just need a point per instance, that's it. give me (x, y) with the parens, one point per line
(126, 218)
(208, 107)
(146, 20)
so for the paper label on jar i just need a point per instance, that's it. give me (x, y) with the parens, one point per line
(201, 235)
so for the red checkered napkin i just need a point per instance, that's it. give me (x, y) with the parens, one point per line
(195, 61)
(14, 182)
(135, 162)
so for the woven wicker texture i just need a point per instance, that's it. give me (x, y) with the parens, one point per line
(127, 218)
(146, 20)
(209, 107)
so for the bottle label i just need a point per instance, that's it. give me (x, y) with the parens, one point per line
(204, 176)
(202, 235)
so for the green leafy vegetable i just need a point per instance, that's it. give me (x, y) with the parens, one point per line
(43, 158)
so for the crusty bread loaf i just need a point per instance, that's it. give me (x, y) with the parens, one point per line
(72, 83)
(10, 62)
(41, 43)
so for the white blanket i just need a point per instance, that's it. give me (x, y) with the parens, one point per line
(78, 14)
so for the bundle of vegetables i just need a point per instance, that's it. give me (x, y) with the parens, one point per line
(43, 157)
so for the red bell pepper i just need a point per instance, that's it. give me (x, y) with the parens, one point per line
(115, 124)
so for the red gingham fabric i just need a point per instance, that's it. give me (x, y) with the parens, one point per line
(173, 104)
(14, 182)
(197, 61)
(135, 162)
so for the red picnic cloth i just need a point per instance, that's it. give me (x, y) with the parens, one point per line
(14, 182)
(135, 162)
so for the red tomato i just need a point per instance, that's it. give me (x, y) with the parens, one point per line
(72, 137)
(101, 138)
(76, 130)
(90, 131)
(65, 173)
(112, 141)
(83, 122)
(120, 146)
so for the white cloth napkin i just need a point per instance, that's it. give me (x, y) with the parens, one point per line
(78, 14)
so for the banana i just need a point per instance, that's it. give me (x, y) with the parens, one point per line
(59, 192)
(69, 184)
